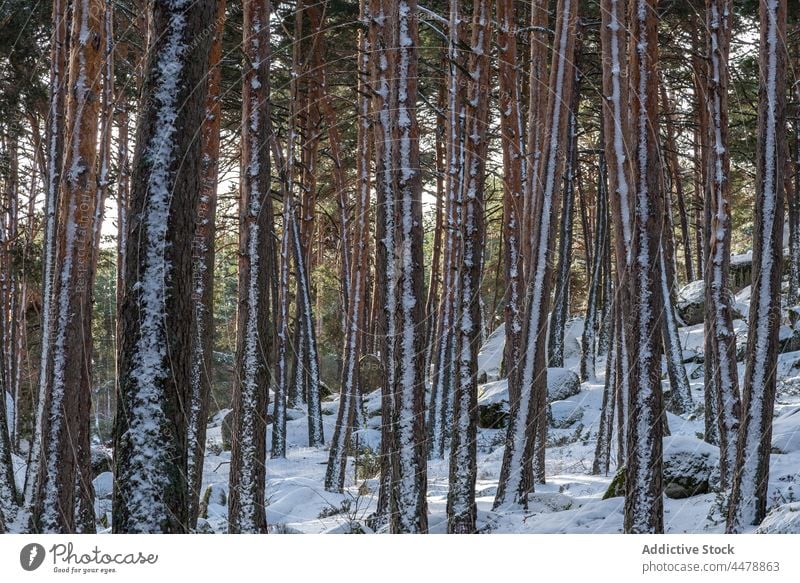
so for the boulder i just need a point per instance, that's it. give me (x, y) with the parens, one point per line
(563, 414)
(784, 519)
(691, 466)
(786, 431)
(493, 407)
(562, 384)
(691, 303)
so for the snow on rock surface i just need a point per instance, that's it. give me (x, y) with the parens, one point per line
(490, 356)
(784, 519)
(786, 432)
(103, 485)
(691, 466)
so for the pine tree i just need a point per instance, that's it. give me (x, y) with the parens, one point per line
(150, 447)
(253, 327)
(748, 501)
(64, 474)
(643, 486)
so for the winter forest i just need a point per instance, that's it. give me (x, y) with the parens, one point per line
(448, 266)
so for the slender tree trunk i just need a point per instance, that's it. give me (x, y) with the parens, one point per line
(246, 512)
(203, 270)
(748, 502)
(59, 74)
(644, 512)
(334, 477)
(718, 321)
(65, 423)
(513, 171)
(516, 477)
(151, 493)
(461, 508)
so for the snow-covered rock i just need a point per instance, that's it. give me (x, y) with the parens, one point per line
(102, 460)
(785, 519)
(103, 485)
(786, 431)
(562, 384)
(691, 466)
(690, 303)
(564, 413)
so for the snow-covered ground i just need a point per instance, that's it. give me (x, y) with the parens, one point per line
(571, 501)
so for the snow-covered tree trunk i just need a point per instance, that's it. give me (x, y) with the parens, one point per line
(681, 398)
(151, 493)
(385, 295)
(539, 40)
(527, 418)
(748, 502)
(461, 509)
(560, 313)
(59, 73)
(203, 271)
(644, 512)
(718, 321)
(409, 473)
(444, 373)
(334, 477)
(514, 162)
(592, 319)
(616, 128)
(605, 430)
(65, 442)
(246, 512)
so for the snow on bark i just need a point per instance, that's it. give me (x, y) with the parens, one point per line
(254, 334)
(718, 322)
(643, 484)
(150, 433)
(605, 430)
(560, 313)
(444, 375)
(531, 377)
(59, 73)
(748, 503)
(203, 272)
(335, 474)
(513, 177)
(64, 442)
(461, 509)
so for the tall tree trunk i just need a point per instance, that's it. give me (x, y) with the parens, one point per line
(65, 423)
(748, 502)
(334, 477)
(203, 270)
(253, 328)
(513, 171)
(59, 76)
(461, 509)
(409, 475)
(516, 477)
(444, 374)
(150, 454)
(644, 512)
(718, 320)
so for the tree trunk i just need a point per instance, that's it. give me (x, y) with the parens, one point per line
(516, 478)
(253, 328)
(65, 423)
(644, 512)
(151, 493)
(748, 502)
(718, 321)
